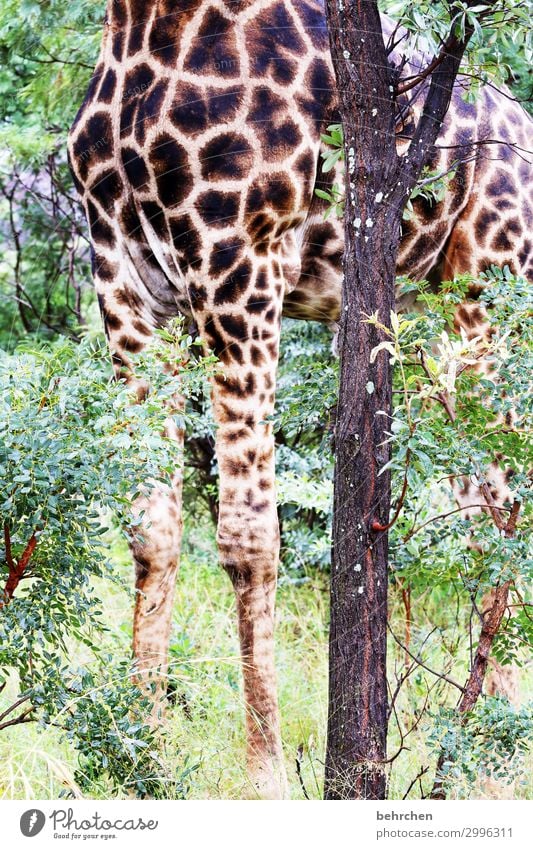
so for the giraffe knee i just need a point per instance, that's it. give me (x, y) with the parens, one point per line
(249, 550)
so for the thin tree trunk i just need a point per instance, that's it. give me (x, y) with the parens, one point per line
(357, 725)
(357, 720)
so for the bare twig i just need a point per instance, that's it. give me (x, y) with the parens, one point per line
(418, 776)
(424, 665)
(299, 758)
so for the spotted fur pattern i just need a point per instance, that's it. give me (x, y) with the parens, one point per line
(197, 152)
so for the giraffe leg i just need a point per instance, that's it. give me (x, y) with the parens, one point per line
(246, 340)
(155, 538)
(155, 546)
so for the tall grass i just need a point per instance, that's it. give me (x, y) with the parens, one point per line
(206, 717)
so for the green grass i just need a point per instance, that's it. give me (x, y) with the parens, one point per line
(205, 724)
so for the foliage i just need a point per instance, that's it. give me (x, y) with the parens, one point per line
(44, 265)
(495, 742)
(61, 422)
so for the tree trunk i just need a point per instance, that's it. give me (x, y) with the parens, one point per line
(357, 725)
(357, 720)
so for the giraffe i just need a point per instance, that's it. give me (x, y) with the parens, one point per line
(196, 153)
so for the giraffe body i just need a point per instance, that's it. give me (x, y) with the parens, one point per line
(197, 153)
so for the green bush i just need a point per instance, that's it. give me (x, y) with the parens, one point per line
(74, 451)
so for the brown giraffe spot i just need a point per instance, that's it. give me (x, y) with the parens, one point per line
(223, 104)
(104, 269)
(189, 109)
(270, 39)
(464, 109)
(503, 133)
(197, 296)
(107, 188)
(523, 254)
(256, 356)
(261, 281)
(501, 242)
(235, 285)
(227, 156)
(91, 91)
(269, 190)
(112, 322)
(135, 167)
(225, 351)
(156, 218)
(107, 87)
(426, 210)
(149, 109)
(243, 4)
(236, 435)
(261, 226)
(137, 81)
(186, 240)
(214, 48)
(218, 209)
(139, 15)
(119, 13)
(169, 161)
(423, 247)
(275, 129)
(235, 468)
(314, 22)
(319, 88)
(459, 187)
(257, 303)
(118, 45)
(485, 218)
(235, 326)
(230, 386)
(130, 222)
(500, 185)
(101, 232)
(141, 327)
(224, 255)
(129, 343)
(306, 169)
(93, 144)
(128, 297)
(524, 170)
(128, 116)
(164, 38)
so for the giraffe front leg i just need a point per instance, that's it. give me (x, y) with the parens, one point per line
(155, 546)
(245, 337)
(155, 536)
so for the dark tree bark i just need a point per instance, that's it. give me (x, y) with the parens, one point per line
(378, 184)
